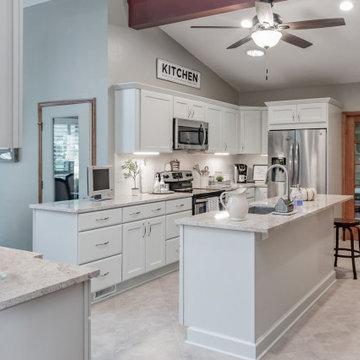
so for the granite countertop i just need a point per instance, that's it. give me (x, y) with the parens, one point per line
(84, 206)
(29, 277)
(262, 223)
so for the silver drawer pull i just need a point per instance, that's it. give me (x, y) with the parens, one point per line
(103, 219)
(156, 210)
(105, 275)
(180, 205)
(103, 244)
(136, 213)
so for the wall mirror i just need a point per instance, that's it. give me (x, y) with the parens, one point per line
(67, 146)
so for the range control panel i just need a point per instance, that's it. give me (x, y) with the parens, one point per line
(177, 176)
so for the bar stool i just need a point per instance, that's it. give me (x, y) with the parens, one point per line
(347, 224)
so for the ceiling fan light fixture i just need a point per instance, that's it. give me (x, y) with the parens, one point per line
(255, 53)
(246, 24)
(346, 5)
(266, 38)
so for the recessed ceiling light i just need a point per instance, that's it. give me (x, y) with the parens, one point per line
(255, 53)
(247, 24)
(346, 5)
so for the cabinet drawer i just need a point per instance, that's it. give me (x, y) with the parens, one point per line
(172, 251)
(110, 272)
(250, 193)
(100, 243)
(172, 229)
(174, 206)
(98, 219)
(139, 212)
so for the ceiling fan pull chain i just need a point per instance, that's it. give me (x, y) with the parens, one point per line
(267, 75)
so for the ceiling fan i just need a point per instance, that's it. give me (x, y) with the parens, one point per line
(268, 28)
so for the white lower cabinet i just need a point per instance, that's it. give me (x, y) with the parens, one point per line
(155, 243)
(134, 247)
(172, 230)
(172, 250)
(110, 272)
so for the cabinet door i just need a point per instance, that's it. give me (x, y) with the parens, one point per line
(229, 131)
(156, 122)
(264, 132)
(214, 118)
(181, 108)
(250, 132)
(134, 235)
(282, 115)
(197, 111)
(155, 243)
(10, 73)
(312, 113)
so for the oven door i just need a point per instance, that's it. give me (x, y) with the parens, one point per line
(200, 206)
(189, 134)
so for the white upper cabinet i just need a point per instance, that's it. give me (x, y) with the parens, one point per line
(214, 116)
(229, 131)
(250, 132)
(11, 25)
(264, 131)
(297, 114)
(188, 109)
(143, 121)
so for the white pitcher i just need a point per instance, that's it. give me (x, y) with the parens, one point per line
(237, 204)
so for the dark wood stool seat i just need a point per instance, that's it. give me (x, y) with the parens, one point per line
(347, 225)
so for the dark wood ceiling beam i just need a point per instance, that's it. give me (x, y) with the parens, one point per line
(150, 13)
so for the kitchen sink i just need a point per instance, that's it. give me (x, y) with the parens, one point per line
(261, 210)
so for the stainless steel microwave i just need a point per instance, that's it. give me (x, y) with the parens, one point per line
(191, 135)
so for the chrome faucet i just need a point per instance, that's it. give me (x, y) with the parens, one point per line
(287, 184)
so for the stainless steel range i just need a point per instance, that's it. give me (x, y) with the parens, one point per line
(181, 181)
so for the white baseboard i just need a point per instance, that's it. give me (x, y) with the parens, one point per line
(254, 351)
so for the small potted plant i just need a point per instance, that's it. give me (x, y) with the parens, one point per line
(132, 169)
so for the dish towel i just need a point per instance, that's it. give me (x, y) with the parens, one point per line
(212, 204)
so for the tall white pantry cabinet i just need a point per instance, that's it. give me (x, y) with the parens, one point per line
(11, 39)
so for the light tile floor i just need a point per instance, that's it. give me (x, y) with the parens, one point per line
(142, 324)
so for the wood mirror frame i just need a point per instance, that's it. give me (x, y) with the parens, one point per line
(92, 103)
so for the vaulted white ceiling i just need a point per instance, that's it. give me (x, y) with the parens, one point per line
(27, 3)
(334, 57)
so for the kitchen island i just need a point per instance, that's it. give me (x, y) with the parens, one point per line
(244, 284)
(44, 308)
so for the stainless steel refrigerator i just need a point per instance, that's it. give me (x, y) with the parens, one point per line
(304, 154)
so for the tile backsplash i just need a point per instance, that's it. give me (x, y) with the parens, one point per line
(153, 164)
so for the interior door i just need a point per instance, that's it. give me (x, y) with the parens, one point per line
(311, 159)
(133, 249)
(67, 152)
(155, 243)
(281, 146)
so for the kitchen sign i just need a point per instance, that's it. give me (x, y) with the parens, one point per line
(177, 74)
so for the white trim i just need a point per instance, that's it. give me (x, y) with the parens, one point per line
(327, 100)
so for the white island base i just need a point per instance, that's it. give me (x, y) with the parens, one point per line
(240, 291)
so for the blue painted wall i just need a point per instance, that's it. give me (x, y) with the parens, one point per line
(65, 57)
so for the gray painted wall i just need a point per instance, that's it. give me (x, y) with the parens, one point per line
(65, 57)
(132, 57)
(347, 94)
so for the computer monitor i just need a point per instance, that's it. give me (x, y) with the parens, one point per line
(100, 182)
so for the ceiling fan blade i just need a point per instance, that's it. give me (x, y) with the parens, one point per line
(316, 24)
(215, 27)
(264, 12)
(240, 42)
(295, 40)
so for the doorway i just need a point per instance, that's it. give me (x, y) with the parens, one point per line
(351, 163)
(67, 146)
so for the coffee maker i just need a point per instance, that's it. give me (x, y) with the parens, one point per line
(240, 173)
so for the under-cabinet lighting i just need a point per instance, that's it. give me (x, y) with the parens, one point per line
(264, 155)
(221, 154)
(146, 153)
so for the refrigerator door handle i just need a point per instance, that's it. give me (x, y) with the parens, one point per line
(296, 165)
(291, 165)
